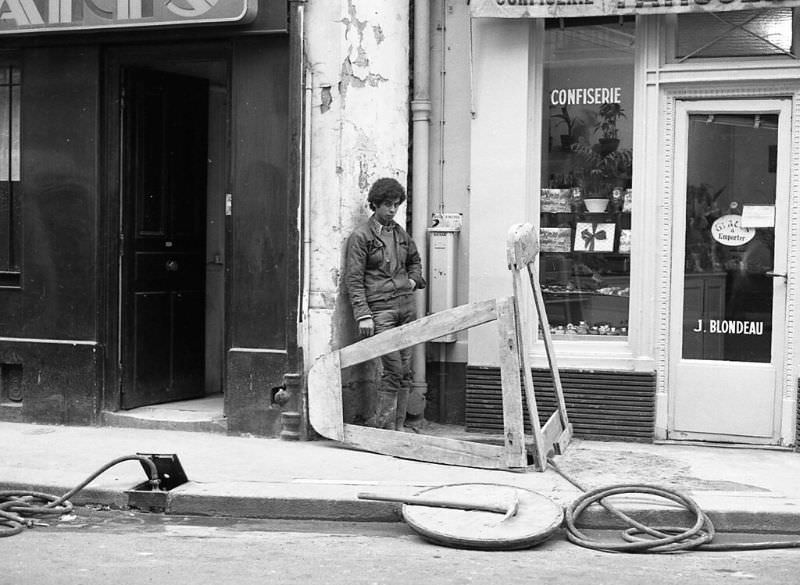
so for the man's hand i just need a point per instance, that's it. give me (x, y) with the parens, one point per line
(413, 283)
(366, 327)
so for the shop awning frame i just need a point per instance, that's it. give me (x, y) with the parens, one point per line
(587, 8)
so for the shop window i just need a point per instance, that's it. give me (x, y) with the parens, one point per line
(586, 199)
(739, 33)
(9, 175)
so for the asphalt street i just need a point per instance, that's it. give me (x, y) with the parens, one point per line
(95, 546)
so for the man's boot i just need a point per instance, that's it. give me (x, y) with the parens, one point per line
(385, 411)
(402, 406)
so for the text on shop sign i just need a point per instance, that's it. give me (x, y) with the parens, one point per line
(583, 8)
(730, 326)
(728, 231)
(585, 96)
(18, 16)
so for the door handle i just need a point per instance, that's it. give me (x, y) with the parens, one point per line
(217, 261)
(773, 274)
(171, 266)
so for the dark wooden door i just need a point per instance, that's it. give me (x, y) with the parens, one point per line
(165, 139)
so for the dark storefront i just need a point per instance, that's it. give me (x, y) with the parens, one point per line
(147, 214)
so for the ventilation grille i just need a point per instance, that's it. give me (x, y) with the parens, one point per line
(600, 405)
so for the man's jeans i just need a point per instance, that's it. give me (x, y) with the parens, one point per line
(396, 364)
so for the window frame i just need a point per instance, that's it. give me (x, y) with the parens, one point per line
(10, 274)
(670, 31)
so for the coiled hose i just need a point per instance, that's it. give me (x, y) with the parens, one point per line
(640, 538)
(18, 508)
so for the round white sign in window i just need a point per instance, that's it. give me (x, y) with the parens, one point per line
(728, 231)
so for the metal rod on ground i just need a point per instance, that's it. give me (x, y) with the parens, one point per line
(508, 509)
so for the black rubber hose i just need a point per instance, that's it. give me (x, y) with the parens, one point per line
(19, 507)
(640, 538)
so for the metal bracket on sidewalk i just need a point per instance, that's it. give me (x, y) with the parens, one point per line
(170, 475)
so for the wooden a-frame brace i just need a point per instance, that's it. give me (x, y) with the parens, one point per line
(325, 379)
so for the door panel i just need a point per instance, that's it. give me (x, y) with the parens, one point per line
(165, 156)
(150, 367)
(727, 307)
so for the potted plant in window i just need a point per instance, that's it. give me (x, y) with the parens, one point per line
(602, 173)
(574, 127)
(608, 115)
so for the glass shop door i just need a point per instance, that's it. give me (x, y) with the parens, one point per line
(728, 282)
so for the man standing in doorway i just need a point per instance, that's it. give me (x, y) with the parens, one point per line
(382, 271)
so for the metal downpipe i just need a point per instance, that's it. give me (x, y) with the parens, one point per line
(420, 129)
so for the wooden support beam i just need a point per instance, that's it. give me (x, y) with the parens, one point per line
(549, 349)
(514, 435)
(419, 331)
(325, 408)
(427, 448)
(522, 249)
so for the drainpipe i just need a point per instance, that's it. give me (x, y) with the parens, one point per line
(291, 397)
(420, 132)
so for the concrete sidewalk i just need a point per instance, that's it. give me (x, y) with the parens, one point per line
(740, 489)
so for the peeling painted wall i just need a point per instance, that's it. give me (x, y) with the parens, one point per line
(357, 55)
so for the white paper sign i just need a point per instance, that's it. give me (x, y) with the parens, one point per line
(756, 216)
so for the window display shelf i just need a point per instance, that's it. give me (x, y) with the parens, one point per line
(585, 263)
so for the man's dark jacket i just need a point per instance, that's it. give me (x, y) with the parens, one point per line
(369, 277)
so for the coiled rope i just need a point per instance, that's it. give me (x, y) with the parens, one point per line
(640, 538)
(19, 508)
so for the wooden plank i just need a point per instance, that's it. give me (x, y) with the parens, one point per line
(548, 345)
(551, 430)
(563, 441)
(419, 331)
(514, 432)
(522, 331)
(426, 448)
(325, 411)
(557, 436)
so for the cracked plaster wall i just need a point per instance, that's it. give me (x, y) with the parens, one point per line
(357, 55)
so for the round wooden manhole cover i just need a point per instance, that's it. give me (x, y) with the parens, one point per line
(535, 520)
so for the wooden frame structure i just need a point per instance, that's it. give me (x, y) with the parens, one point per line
(522, 250)
(325, 379)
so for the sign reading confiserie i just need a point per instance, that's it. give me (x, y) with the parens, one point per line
(585, 96)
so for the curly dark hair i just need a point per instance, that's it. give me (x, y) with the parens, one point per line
(386, 189)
